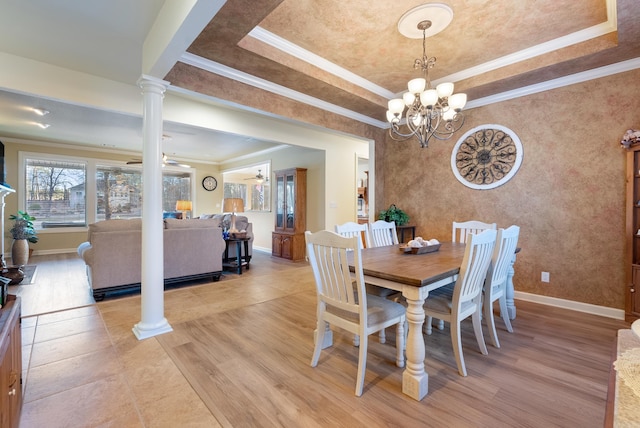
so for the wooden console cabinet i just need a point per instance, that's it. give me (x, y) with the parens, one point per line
(291, 214)
(10, 363)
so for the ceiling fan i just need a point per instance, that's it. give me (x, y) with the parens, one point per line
(259, 177)
(165, 161)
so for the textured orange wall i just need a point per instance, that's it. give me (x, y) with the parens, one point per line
(568, 196)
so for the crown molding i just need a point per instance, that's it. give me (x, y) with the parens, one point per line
(231, 73)
(560, 82)
(317, 61)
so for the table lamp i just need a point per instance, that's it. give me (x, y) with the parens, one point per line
(233, 206)
(183, 206)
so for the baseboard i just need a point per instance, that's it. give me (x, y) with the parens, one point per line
(47, 252)
(262, 249)
(570, 304)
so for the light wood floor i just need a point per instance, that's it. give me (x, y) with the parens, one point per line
(240, 351)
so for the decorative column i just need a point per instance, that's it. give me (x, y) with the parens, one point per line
(152, 321)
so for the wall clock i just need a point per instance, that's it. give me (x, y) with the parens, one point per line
(209, 183)
(486, 157)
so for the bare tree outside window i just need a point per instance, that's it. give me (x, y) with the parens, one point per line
(55, 192)
(119, 192)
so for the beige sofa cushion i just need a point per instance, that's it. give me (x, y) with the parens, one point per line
(116, 225)
(191, 223)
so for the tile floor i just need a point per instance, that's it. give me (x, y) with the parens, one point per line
(83, 367)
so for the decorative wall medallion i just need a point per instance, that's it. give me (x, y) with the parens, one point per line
(486, 157)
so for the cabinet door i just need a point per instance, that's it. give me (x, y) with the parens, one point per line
(635, 291)
(5, 373)
(15, 376)
(287, 247)
(276, 245)
(280, 203)
(290, 202)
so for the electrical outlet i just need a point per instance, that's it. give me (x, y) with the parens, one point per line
(544, 277)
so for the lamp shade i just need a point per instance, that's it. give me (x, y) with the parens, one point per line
(233, 205)
(183, 205)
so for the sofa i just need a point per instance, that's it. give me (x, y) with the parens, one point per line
(193, 249)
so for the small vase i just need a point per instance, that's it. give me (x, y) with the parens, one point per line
(20, 252)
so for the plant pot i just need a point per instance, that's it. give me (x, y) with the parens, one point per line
(14, 273)
(20, 252)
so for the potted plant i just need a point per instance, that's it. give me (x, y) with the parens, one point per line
(22, 233)
(394, 213)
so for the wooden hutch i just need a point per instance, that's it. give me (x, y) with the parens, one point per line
(632, 257)
(291, 214)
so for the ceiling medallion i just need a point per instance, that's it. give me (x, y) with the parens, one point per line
(486, 157)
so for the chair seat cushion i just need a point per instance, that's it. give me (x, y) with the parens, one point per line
(378, 310)
(439, 301)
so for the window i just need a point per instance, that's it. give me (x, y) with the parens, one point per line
(55, 192)
(251, 184)
(66, 192)
(119, 192)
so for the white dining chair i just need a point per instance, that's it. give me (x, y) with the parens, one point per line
(496, 280)
(465, 299)
(461, 230)
(383, 233)
(343, 301)
(351, 228)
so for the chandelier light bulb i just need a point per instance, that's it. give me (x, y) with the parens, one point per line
(429, 98)
(408, 98)
(444, 89)
(416, 86)
(396, 106)
(457, 101)
(448, 115)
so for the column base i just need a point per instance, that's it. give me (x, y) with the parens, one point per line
(415, 387)
(144, 331)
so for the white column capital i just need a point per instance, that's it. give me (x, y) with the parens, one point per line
(150, 83)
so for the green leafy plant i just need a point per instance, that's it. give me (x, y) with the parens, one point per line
(23, 227)
(394, 213)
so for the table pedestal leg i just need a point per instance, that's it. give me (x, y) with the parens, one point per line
(415, 381)
(511, 306)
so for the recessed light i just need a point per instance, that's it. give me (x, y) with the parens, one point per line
(40, 111)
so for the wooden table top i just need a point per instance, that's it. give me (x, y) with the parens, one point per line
(413, 269)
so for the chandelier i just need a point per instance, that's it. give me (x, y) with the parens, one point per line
(430, 112)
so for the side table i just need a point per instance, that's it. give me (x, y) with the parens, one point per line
(402, 229)
(238, 260)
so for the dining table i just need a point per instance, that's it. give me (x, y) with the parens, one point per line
(415, 275)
